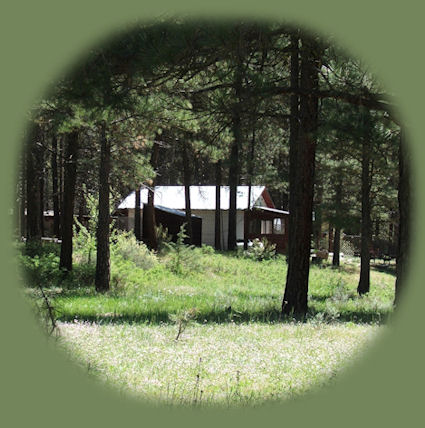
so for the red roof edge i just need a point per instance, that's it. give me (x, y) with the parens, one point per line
(267, 198)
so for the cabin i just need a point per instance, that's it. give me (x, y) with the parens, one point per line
(169, 218)
(257, 218)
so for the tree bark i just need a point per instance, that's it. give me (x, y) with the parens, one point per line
(233, 185)
(338, 214)
(137, 214)
(293, 143)
(102, 233)
(217, 228)
(55, 188)
(317, 226)
(70, 178)
(366, 224)
(149, 222)
(81, 207)
(337, 247)
(42, 171)
(302, 182)
(33, 228)
(404, 204)
(187, 178)
(22, 196)
(250, 174)
(234, 158)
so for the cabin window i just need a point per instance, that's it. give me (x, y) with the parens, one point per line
(278, 226)
(266, 227)
(255, 226)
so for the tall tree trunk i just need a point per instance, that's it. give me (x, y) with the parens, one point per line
(233, 183)
(293, 144)
(81, 207)
(317, 226)
(217, 228)
(70, 178)
(250, 174)
(55, 187)
(42, 171)
(22, 196)
(137, 214)
(187, 178)
(234, 157)
(404, 205)
(61, 173)
(330, 238)
(102, 233)
(301, 197)
(338, 214)
(337, 247)
(33, 186)
(366, 224)
(149, 222)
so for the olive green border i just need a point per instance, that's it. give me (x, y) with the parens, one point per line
(39, 40)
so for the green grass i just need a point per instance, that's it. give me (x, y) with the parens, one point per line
(236, 350)
(222, 287)
(216, 364)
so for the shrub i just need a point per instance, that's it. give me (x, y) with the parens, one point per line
(84, 242)
(163, 237)
(82, 274)
(261, 250)
(126, 246)
(38, 248)
(40, 270)
(182, 319)
(207, 249)
(181, 258)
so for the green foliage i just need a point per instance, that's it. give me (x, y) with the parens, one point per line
(207, 249)
(126, 247)
(38, 248)
(182, 319)
(163, 238)
(261, 250)
(40, 270)
(223, 288)
(84, 243)
(84, 240)
(181, 258)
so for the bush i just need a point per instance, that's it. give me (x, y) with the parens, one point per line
(163, 238)
(38, 248)
(181, 258)
(82, 274)
(84, 242)
(207, 249)
(125, 245)
(40, 270)
(261, 250)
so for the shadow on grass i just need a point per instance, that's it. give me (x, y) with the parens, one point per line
(385, 268)
(229, 316)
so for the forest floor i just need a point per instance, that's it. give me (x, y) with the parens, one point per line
(232, 348)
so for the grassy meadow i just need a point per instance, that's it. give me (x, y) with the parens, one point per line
(198, 327)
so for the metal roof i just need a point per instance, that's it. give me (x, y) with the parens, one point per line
(201, 197)
(273, 210)
(175, 212)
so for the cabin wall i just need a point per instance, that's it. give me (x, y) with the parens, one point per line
(130, 220)
(208, 226)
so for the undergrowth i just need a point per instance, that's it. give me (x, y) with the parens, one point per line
(223, 287)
